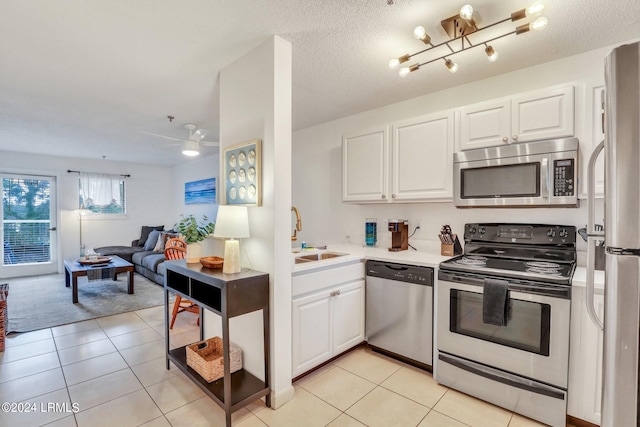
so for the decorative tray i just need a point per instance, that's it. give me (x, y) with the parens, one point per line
(99, 260)
(212, 262)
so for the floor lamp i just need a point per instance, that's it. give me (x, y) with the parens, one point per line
(232, 222)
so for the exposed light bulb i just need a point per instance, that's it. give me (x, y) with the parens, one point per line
(539, 23)
(492, 55)
(397, 61)
(535, 8)
(406, 70)
(419, 32)
(452, 66)
(466, 12)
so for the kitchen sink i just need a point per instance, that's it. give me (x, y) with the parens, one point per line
(318, 257)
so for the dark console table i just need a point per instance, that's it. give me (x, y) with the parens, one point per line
(228, 295)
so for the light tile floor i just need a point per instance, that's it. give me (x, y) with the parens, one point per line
(113, 371)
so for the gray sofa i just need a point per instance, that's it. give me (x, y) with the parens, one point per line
(148, 263)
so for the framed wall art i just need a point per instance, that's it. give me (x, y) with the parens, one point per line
(242, 174)
(200, 192)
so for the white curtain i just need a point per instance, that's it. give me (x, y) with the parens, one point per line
(100, 188)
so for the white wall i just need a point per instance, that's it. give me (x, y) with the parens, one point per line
(317, 160)
(255, 103)
(149, 197)
(195, 170)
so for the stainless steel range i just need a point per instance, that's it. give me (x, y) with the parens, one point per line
(503, 317)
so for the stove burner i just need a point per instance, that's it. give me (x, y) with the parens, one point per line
(475, 261)
(545, 271)
(544, 265)
(546, 268)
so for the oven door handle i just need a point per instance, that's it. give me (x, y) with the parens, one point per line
(530, 288)
(502, 377)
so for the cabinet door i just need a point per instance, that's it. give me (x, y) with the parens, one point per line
(544, 114)
(365, 166)
(422, 158)
(311, 331)
(485, 124)
(347, 309)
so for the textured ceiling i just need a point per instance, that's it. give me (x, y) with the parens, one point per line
(84, 77)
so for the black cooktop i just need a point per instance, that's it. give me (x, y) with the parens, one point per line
(531, 252)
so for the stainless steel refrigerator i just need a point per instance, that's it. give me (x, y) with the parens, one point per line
(622, 238)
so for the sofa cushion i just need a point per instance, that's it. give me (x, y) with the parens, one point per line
(124, 252)
(144, 233)
(151, 240)
(139, 256)
(161, 269)
(151, 261)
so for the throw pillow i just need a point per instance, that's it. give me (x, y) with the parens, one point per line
(151, 240)
(162, 240)
(144, 234)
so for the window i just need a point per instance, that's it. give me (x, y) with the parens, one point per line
(102, 194)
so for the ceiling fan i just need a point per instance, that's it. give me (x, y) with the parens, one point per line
(191, 145)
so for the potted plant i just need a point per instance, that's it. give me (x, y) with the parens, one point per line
(194, 232)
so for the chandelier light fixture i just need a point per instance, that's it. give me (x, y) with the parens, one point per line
(458, 28)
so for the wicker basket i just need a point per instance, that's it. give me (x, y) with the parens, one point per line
(205, 357)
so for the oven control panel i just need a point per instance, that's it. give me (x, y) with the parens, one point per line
(533, 234)
(563, 175)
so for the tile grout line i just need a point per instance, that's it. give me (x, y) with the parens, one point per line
(64, 377)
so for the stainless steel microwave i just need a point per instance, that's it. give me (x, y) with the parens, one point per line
(529, 174)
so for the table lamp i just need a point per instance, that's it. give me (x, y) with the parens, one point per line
(232, 222)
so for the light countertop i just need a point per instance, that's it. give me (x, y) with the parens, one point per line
(422, 258)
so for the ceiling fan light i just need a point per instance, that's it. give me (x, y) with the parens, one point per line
(190, 148)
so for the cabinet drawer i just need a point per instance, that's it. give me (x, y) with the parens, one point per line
(319, 279)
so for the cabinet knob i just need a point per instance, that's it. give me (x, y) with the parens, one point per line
(514, 137)
(505, 139)
(393, 196)
(384, 196)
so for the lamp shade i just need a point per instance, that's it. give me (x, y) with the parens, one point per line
(232, 222)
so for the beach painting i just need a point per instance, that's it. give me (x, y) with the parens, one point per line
(200, 192)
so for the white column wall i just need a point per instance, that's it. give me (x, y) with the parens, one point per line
(255, 103)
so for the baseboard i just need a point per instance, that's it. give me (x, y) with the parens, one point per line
(281, 397)
(578, 422)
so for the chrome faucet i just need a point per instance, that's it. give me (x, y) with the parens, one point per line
(294, 237)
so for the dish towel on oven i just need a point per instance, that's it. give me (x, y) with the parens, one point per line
(495, 301)
(101, 274)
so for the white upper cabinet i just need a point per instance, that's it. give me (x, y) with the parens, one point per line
(365, 166)
(542, 114)
(417, 167)
(485, 124)
(422, 158)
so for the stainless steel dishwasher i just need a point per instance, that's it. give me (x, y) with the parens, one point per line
(399, 311)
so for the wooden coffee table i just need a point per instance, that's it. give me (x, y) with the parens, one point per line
(73, 270)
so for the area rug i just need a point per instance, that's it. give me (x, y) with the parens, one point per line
(40, 302)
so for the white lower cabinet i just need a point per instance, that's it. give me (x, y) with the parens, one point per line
(329, 320)
(585, 362)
